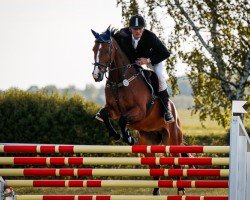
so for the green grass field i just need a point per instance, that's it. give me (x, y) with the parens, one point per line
(117, 191)
(192, 126)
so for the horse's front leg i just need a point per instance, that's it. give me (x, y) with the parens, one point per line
(104, 115)
(156, 191)
(180, 191)
(171, 137)
(126, 135)
(151, 138)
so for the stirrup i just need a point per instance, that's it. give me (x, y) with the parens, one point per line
(131, 140)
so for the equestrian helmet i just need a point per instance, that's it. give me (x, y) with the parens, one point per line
(137, 21)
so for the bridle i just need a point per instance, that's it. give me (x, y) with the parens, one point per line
(105, 68)
(108, 65)
(113, 85)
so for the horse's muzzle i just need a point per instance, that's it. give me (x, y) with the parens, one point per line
(99, 78)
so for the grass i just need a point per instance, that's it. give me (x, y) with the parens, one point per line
(117, 191)
(192, 125)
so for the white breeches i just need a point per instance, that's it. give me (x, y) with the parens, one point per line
(160, 71)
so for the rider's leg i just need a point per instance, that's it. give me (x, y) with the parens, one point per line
(163, 93)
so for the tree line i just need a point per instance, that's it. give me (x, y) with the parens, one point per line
(183, 100)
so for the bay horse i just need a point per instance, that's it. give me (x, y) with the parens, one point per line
(128, 97)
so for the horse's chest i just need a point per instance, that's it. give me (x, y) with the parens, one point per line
(122, 99)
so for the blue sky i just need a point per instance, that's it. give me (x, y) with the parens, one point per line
(45, 42)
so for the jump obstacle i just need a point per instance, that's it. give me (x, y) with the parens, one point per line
(239, 169)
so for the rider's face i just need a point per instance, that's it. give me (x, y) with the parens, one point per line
(137, 32)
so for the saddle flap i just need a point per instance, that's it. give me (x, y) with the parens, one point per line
(151, 79)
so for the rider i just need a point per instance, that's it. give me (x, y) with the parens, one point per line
(144, 47)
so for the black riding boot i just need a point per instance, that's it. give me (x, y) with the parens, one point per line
(164, 96)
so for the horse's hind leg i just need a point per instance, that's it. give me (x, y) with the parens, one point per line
(156, 191)
(151, 138)
(126, 135)
(104, 115)
(171, 136)
(179, 190)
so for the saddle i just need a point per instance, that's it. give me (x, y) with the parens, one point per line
(151, 79)
(152, 82)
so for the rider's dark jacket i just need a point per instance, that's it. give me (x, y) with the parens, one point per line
(149, 46)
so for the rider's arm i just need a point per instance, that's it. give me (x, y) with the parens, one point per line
(159, 51)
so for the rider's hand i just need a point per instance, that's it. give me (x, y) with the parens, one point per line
(143, 61)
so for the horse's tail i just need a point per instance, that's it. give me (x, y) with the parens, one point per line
(178, 124)
(175, 114)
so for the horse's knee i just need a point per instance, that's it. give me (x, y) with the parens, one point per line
(104, 113)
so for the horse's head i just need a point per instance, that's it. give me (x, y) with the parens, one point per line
(103, 54)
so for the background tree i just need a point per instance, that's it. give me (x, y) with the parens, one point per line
(212, 38)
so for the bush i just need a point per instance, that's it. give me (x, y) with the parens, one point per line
(41, 118)
(206, 140)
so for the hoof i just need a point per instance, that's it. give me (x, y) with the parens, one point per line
(115, 136)
(156, 192)
(181, 190)
(98, 117)
(130, 140)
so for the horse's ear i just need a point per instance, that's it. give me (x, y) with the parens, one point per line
(108, 33)
(95, 34)
(108, 29)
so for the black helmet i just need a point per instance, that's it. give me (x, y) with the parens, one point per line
(137, 21)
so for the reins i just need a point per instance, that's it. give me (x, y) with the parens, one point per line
(125, 66)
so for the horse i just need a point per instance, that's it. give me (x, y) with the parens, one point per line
(129, 100)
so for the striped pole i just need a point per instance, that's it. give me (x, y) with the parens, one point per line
(113, 161)
(120, 183)
(112, 172)
(116, 197)
(24, 148)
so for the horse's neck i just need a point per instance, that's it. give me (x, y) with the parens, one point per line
(119, 62)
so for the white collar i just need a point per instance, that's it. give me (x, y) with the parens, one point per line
(137, 40)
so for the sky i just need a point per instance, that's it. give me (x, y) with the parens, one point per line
(49, 42)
